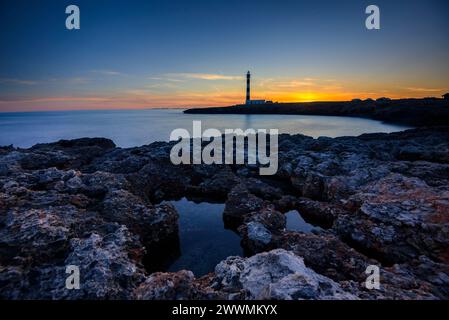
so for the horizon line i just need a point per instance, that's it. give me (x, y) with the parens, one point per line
(205, 107)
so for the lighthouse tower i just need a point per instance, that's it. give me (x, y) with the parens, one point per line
(248, 88)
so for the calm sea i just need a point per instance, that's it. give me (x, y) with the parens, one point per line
(129, 128)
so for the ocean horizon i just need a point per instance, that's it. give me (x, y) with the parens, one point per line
(136, 127)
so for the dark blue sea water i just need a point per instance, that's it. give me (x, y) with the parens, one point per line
(129, 128)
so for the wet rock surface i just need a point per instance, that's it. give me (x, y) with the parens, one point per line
(380, 199)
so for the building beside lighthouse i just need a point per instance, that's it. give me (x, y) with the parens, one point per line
(248, 100)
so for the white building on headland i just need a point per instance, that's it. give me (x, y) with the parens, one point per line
(248, 93)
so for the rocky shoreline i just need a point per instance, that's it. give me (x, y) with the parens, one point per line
(380, 199)
(410, 112)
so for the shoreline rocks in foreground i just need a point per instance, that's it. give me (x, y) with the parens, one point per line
(380, 199)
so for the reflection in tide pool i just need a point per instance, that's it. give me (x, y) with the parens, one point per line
(295, 222)
(204, 241)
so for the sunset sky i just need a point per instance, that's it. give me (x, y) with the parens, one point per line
(144, 54)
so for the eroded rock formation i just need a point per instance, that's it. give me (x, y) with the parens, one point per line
(380, 199)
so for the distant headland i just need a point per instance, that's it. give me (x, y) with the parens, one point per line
(414, 112)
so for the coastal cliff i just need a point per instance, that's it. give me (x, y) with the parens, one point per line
(380, 199)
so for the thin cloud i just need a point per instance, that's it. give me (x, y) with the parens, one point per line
(78, 80)
(59, 99)
(18, 81)
(108, 72)
(74, 80)
(204, 76)
(418, 89)
(294, 84)
(165, 79)
(164, 85)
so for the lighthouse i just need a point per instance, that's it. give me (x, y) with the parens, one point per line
(248, 100)
(248, 88)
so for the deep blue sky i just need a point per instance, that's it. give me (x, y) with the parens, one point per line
(149, 53)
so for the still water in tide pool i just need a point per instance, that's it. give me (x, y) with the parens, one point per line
(203, 241)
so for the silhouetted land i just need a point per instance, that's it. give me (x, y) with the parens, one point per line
(415, 112)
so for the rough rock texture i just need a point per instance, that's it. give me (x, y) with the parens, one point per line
(51, 218)
(399, 218)
(380, 199)
(181, 285)
(277, 274)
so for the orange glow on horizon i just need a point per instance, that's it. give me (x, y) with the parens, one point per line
(143, 100)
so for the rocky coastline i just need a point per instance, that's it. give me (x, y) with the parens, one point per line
(380, 199)
(408, 112)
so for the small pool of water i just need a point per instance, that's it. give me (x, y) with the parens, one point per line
(295, 222)
(203, 239)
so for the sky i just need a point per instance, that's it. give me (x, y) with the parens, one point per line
(150, 54)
